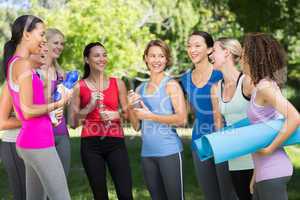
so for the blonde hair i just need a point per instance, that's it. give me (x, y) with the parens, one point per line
(50, 32)
(234, 47)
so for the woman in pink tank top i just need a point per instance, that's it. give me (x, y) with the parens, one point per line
(264, 61)
(35, 142)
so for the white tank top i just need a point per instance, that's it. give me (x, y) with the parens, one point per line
(234, 111)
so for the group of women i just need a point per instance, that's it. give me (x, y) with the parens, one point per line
(36, 153)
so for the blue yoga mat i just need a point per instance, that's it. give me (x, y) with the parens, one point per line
(241, 139)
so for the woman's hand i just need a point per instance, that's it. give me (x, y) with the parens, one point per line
(95, 97)
(65, 96)
(59, 113)
(133, 99)
(107, 115)
(143, 113)
(265, 151)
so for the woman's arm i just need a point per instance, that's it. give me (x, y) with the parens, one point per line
(132, 99)
(218, 119)
(6, 107)
(247, 86)
(252, 182)
(273, 97)
(75, 107)
(123, 98)
(76, 112)
(23, 76)
(179, 118)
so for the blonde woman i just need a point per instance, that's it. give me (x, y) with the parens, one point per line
(52, 75)
(230, 98)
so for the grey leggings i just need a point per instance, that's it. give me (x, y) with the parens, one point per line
(44, 174)
(15, 170)
(214, 179)
(62, 145)
(273, 189)
(164, 177)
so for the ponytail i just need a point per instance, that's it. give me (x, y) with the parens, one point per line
(21, 24)
(8, 52)
(87, 71)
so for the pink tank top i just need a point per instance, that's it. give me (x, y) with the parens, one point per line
(278, 163)
(36, 132)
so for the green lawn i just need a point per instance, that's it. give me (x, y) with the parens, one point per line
(80, 189)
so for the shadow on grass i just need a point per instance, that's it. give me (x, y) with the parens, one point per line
(80, 190)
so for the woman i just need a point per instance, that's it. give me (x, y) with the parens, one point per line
(263, 59)
(52, 74)
(214, 179)
(162, 108)
(35, 142)
(230, 98)
(13, 164)
(96, 102)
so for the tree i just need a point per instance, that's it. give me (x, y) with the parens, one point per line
(115, 23)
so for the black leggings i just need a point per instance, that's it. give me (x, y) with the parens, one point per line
(241, 182)
(96, 153)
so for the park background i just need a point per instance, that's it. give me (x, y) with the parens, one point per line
(125, 27)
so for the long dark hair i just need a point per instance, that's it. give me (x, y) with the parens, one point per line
(86, 53)
(21, 24)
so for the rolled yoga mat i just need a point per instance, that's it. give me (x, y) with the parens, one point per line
(241, 139)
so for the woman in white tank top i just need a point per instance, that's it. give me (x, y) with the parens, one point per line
(231, 98)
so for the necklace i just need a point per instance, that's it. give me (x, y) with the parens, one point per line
(97, 86)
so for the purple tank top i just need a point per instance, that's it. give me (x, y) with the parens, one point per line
(61, 129)
(36, 132)
(278, 163)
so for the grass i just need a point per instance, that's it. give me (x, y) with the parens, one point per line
(79, 186)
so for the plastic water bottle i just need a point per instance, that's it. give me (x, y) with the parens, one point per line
(68, 84)
(137, 103)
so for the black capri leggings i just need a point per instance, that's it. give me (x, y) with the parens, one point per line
(96, 154)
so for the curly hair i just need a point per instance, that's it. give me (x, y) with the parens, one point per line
(266, 58)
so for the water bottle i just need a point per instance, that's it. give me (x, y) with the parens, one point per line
(137, 103)
(68, 84)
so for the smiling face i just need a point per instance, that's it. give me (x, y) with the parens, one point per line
(197, 49)
(219, 55)
(97, 58)
(35, 38)
(55, 45)
(156, 59)
(41, 58)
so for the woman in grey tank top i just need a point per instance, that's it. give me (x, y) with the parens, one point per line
(230, 99)
(13, 164)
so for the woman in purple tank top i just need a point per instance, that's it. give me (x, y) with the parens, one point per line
(35, 142)
(52, 75)
(264, 61)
